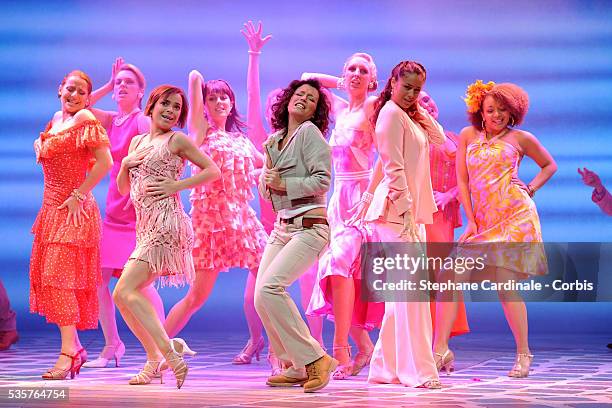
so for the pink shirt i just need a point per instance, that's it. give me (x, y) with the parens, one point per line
(604, 202)
(444, 177)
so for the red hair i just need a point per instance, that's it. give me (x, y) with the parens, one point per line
(163, 92)
(79, 74)
(512, 96)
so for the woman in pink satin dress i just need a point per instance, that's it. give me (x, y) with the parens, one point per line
(337, 293)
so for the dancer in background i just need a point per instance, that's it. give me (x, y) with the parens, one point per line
(127, 85)
(448, 216)
(8, 321)
(151, 173)
(65, 264)
(227, 231)
(498, 205)
(296, 179)
(257, 133)
(337, 293)
(396, 205)
(601, 196)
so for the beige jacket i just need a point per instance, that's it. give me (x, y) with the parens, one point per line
(305, 166)
(403, 146)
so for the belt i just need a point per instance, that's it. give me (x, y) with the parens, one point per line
(307, 222)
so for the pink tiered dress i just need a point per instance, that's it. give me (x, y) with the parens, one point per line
(119, 227)
(164, 236)
(65, 261)
(227, 231)
(352, 159)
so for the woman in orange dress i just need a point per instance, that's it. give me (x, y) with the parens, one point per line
(499, 206)
(65, 264)
(448, 216)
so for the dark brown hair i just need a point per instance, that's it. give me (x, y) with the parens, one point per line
(163, 92)
(280, 109)
(512, 96)
(401, 69)
(234, 123)
(79, 74)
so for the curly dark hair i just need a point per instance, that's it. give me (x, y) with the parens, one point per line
(512, 96)
(280, 109)
(401, 69)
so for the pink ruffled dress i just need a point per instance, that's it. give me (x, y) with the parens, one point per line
(227, 231)
(65, 261)
(119, 227)
(164, 236)
(352, 159)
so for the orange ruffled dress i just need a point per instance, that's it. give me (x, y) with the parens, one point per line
(227, 231)
(65, 262)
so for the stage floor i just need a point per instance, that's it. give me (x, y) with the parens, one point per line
(568, 371)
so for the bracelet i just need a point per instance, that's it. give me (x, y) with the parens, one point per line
(366, 197)
(78, 195)
(254, 52)
(340, 83)
(531, 190)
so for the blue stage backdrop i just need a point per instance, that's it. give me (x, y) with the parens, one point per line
(559, 51)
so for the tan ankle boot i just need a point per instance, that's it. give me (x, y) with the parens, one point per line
(319, 372)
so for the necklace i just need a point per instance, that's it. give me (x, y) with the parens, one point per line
(490, 141)
(120, 119)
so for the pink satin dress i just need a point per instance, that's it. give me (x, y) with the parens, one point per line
(352, 159)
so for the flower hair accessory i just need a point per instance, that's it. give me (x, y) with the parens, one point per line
(475, 94)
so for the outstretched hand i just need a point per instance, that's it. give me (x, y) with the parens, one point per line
(253, 36)
(115, 69)
(590, 178)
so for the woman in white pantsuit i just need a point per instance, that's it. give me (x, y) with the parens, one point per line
(398, 203)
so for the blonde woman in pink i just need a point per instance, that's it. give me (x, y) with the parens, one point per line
(337, 292)
(127, 85)
(151, 173)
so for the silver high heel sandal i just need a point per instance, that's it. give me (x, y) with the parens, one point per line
(521, 365)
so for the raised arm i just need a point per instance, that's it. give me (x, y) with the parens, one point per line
(197, 125)
(329, 82)
(103, 116)
(256, 130)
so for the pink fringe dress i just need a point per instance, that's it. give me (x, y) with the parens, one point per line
(227, 231)
(164, 236)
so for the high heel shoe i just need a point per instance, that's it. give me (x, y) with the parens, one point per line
(445, 362)
(250, 350)
(114, 351)
(362, 359)
(521, 365)
(148, 373)
(182, 349)
(275, 364)
(343, 371)
(61, 373)
(175, 361)
(431, 385)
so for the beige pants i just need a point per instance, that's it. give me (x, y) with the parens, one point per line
(290, 251)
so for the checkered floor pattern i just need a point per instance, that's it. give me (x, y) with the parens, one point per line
(574, 371)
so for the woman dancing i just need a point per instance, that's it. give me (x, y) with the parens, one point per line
(227, 231)
(337, 292)
(401, 202)
(296, 179)
(65, 263)
(151, 172)
(498, 205)
(128, 85)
